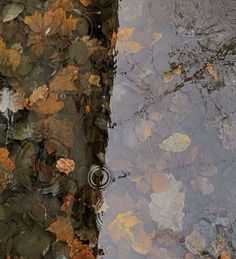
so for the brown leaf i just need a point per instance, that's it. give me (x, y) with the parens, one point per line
(50, 105)
(67, 5)
(85, 2)
(5, 161)
(36, 43)
(79, 250)
(62, 228)
(63, 80)
(212, 71)
(65, 165)
(39, 94)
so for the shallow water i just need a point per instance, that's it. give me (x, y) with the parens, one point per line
(139, 99)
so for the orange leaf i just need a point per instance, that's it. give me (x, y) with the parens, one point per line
(85, 2)
(212, 71)
(36, 43)
(63, 80)
(65, 165)
(62, 228)
(39, 94)
(5, 161)
(50, 105)
(79, 250)
(225, 255)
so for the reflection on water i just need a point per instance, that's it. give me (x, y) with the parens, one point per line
(117, 143)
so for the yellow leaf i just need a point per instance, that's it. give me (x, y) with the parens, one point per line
(212, 71)
(120, 227)
(156, 37)
(133, 46)
(142, 243)
(125, 33)
(176, 143)
(62, 228)
(95, 80)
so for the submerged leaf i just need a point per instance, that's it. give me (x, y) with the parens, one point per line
(176, 143)
(11, 11)
(156, 37)
(195, 243)
(5, 161)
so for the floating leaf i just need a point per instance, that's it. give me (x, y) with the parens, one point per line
(212, 71)
(63, 80)
(176, 143)
(50, 105)
(5, 161)
(195, 243)
(11, 11)
(156, 37)
(166, 207)
(120, 227)
(123, 42)
(65, 165)
(39, 94)
(62, 228)
(95, 80)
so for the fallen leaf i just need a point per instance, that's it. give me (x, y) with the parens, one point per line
(50, 105)
(121, 226)
(166, 207)
(142, 242)
(62, 228)
(156, 37)
(85, 2)
(203, 185)
(178, 70)
(160, 182)
(195, 243)
(144, 129)
(95, 80)
(175, 143)
(5, 161)
(39, 94)
(11, 11)
(168, 76)
(225, 255)
(65, 165)
(67, 5)
(35, 41)
(64, 79)
(78, 250)
(123, 42)
(212, 71)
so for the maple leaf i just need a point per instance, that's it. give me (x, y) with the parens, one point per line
(5, 161)
(62, 228)
(65, 165)
(63, 80)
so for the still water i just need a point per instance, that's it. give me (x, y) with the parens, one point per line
(117, 129)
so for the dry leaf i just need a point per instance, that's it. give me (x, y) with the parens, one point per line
(65, 165)
(85, 2)
(5, 161)
(160, 182)
(166, 207)
(50, 105)
(123, 42)
(79, 250)
(120, 227)
(156, 37)
(36, 43)
(95, 80)
(39, 94)
(11, 11)
(195, 243)
(225, 255)
(144, 130)
(142, 242)
(212, 71)
(62, 228)
(63, 80)
(168, 76)
(66, 5)
(203, 185)
(175, 143)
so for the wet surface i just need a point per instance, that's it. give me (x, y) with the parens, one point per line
(118, 137)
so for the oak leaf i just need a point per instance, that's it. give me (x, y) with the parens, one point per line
(62, 228)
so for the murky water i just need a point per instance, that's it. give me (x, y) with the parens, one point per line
(118, 129)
